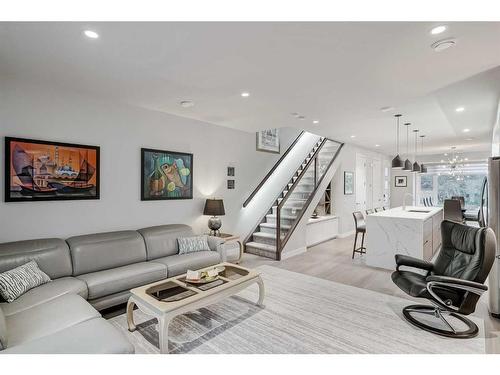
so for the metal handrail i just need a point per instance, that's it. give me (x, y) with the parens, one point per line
(266, 177)
(280, 244)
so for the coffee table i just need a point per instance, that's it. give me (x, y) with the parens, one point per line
(174, 296)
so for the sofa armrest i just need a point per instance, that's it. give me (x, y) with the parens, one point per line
(405, 260)
(215, 244)
(446, 282)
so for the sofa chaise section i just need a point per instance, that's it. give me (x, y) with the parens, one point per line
(111, 264)
(53, 257)
(162, 248)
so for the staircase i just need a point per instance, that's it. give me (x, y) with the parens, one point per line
(289, 207)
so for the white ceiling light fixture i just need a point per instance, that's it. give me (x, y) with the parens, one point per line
(245, 94)
(387, 109)
(315, 121)
(353, 136)
(459, 109)
(186, 104)
(377, 145)
(466, 130)
(91, 34)
(438, 29)
(441, 45)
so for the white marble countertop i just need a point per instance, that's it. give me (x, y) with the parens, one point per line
(399, 213)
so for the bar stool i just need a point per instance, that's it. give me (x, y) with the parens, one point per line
(360, 225)
(378, 209)
(368, 212)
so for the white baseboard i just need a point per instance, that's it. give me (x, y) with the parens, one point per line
(346, 234)
(292, 253)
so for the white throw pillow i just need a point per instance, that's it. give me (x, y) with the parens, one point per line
(193, 244)
(15, 282)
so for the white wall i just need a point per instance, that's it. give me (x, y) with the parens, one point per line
(398, 193)
(46, 113)
(345, 205)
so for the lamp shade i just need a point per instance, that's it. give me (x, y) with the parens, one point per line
(214, 207)
(397, 163)
(407, 166)
(416, 168)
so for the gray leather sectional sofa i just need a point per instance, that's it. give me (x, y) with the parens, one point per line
(90, 273)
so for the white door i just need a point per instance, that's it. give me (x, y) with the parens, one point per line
(377, 184)
(360, 183)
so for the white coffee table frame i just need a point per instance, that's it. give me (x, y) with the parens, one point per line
(166, 311)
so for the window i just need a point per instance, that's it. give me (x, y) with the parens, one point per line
(439, 184)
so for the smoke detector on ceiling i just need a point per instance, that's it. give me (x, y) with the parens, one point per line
(187, 103)
(441, 45)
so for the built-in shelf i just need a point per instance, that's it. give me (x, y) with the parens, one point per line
(321, 229)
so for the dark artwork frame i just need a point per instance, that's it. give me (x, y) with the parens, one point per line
(400, 184)
(166, 195)
(56, 190)
(346, 191)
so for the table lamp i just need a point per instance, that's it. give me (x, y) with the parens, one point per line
(214, 207)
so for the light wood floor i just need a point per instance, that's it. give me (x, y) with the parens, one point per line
(332, 261)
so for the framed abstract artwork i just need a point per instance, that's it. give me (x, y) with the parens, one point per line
(400, 181)
(38, 170)
(166, 175)
(348, 183)
(268, 141)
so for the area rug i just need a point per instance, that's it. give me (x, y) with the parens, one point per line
(302, 314)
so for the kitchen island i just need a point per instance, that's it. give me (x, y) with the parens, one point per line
(413, 231)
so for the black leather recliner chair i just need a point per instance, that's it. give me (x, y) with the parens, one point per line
(454, 282)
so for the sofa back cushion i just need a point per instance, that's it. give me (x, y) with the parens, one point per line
(102, 251)
(161, 241)
(3, 330)
(51, 255)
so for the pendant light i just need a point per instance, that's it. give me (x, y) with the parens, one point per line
(423, 168)
(407, 166)
(416, 166)
(397, 163)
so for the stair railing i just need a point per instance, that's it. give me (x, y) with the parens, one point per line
(318, 172)
(266, 177)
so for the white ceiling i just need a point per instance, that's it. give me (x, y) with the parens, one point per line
(338, 73)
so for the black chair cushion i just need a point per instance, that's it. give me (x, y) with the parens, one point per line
(415, 285)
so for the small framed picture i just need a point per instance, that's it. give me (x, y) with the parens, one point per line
(348, 183)
(268, 141)
(230, 171)
(230, 184)
(400, 181)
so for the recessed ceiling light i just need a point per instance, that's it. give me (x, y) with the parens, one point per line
(441, 45)
(445, 154)
(353, 136)
(377, 145)
(387, 109)
(442, 161)
(466, 130)
(245, 94)
(459, 109)
(315, 121)
(438, 30)
(91, 34)
(187, 103)
(466, 159)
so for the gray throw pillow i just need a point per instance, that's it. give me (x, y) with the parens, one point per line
(193, 244)
(15, 282)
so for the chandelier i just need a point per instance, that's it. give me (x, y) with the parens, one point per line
(455, 165)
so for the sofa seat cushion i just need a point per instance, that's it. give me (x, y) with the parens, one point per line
(48, 318)
(103, 283)
(44, 293)
(95, 336)
(178, 264)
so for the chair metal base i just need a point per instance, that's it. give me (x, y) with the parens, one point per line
(362, 249)
(471, 331)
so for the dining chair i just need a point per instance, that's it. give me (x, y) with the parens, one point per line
(453, 211)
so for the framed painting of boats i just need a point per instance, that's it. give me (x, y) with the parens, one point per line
(166, 175)
(38, 170)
